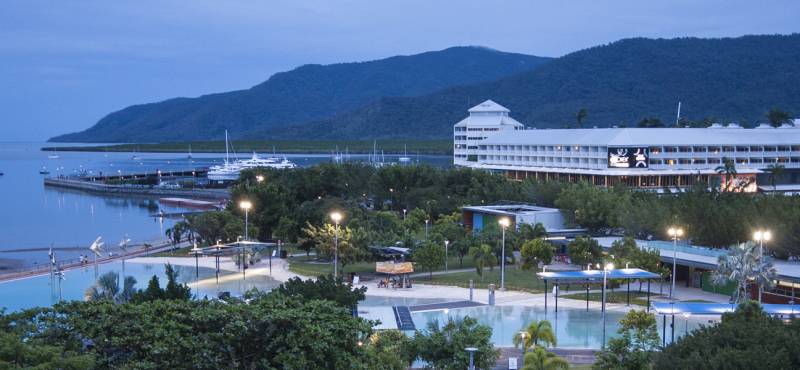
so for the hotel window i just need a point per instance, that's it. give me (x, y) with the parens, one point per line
(795, 159)
(684, 161)
(714, 161)
(699, 161)
(655, 161)
(769, 148)
(685, 149)
(670, 149)
(727, 149)
(770, 160)
(783, 148)
(655, 150)
(742, 149)
(700, 149)
(741, 160)
(796, 148)
(670, 162)
(783, 160)
(713, 149)
(756, 148)
(756, 160)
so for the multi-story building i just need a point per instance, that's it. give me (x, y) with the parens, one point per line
(657, 158)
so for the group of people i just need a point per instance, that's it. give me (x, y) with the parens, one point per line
(393, 283)
(83, 259)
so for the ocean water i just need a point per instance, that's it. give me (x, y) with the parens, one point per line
(34, 217)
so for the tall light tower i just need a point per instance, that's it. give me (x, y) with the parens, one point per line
(504, 222)
(761, 236)
(246, 205)
(336, 217)
(675, 233)
(446, 243)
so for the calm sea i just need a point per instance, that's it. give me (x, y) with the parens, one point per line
(35, 217)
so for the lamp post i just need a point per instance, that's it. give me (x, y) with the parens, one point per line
(426, 228)
(196, 252)
(674, 232)
(523, 335)
(608, 267)
(503, 225)
(446, 243)
(246, 205)
(336, 217)
(686, 326)
(761, 236)
(471, 351)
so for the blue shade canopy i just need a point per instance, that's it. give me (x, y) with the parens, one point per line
(698, 308)
(598, 274)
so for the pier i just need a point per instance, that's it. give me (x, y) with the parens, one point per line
(217, 195)
(191, 172)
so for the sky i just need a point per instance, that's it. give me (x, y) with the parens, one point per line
(66, 64)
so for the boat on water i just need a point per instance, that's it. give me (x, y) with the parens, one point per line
(44, 171)
(54, 155)
(405, 158)
(230, 170)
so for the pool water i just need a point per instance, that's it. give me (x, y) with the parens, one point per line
(574, 328)
(42, 291)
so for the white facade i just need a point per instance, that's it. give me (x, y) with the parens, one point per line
(485, 120)
(669, 156)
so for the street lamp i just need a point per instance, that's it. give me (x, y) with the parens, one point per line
(471, 351)
(260, 178)
(426, 228)
(446, 243)
(504, 222)
(245, 205)
(608, 267)
(761, 236)
(336, 217)
(686, 327)
(675, 233)
(524, 334)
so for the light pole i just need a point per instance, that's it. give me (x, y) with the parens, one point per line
(674, 232)
(686, 326)
(608, 267)
(336, 217)
(404, 214)
(503, 225)
(471, 351)
(446, 243)
(426, 228)
(245, 205)
(761, 236)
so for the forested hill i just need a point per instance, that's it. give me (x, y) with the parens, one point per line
(307, 93)
(731, 79)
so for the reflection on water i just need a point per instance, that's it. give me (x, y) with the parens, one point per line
(574, 328)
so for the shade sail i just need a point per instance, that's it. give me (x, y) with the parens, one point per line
(598, 274)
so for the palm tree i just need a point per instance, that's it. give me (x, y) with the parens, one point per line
(728, 168)
(775, 171)
(540, 359)
(580, 116)
(741, 265)
(534, 333)
(483, 257)
(107, 288)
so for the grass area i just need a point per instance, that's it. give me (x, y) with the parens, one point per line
(581, 367)
(639, 299)
(180, 252)
(443, 147)
(515, 280)
(310, 267)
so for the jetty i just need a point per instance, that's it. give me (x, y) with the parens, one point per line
(217, 195)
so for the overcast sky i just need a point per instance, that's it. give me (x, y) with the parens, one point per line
(66, 64)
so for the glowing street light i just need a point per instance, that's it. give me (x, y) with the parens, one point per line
(608, 267)
(245, 205)
(336, 217)
(260, 178)
(446, 243)
(761, 236)
(675, 233)
(504, 222)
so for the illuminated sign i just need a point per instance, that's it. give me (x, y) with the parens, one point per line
(628, 157)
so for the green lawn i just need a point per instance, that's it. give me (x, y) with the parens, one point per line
(618, 296)
(310, 267)
(515, 280)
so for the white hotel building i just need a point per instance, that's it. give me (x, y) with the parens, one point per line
(657, 158)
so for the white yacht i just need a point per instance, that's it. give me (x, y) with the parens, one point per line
(229, 170)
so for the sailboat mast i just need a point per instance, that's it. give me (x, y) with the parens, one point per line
(226, 146)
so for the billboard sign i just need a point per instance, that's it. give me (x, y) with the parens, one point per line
(628, 157)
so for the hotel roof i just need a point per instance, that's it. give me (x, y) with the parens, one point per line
(648, 136)
(488, 106)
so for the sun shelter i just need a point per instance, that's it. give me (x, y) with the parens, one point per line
(687, 309)
(235, 248)
(593, 276)
(392, 268)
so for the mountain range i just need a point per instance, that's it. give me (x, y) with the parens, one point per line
(422, 96)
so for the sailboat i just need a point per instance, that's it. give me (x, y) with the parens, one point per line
(228, 170)
(54, 155)
(405, 158)
(44, 171)
(135, 155)
(190, 152)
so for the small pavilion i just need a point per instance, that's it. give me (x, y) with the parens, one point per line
(587, 277)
